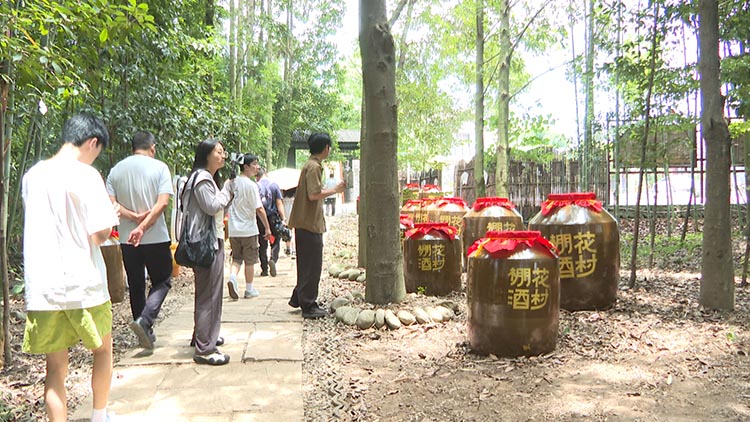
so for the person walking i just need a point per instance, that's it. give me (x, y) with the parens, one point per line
(270, 196)
(142, 186)
(68, 214)
(330, 202)
(243, 228)
(309, 225)
(203, 200)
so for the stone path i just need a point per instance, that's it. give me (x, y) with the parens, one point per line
(262, 382)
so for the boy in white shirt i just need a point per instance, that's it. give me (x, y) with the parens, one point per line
(68, 214)
(243, 228)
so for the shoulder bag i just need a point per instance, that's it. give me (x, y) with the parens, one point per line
(198, 252)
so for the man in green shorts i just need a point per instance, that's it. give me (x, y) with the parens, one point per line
(68, 214)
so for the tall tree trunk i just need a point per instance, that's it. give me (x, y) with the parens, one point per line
(717, 271)
(384, 262)
(362, 200)
(269, 58)
(503, 108)
(6, 121)
(232, 50)
(588, 118)
(644, 140)
(480, 188)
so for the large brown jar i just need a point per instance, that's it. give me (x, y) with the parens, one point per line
(432, 259)
(513, 294)
(489, 214)
(411, 207)
(588, 242)
(449, 210)
(423, 212)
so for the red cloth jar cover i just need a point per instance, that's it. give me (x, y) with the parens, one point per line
(584, 199)
(405, 221)
(425, 228)
(441, 202)
(501, 244)
(492, 201)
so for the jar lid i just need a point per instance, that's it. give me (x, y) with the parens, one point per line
(404, 220)
(492, 201)
(425, 228)
(581, 199)
(451, 200)
(501, 244)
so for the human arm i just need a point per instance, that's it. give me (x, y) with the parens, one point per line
(127, 213)
(137, 234)
(209, 199)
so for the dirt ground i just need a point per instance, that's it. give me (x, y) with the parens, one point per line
(655, 356)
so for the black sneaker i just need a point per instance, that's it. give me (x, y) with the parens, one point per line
(263, 274)
(141, 330)
(314, 312)
(293, 303)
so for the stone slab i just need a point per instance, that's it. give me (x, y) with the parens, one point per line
(275, 341)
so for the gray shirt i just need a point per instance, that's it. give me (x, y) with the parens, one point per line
(136, 182)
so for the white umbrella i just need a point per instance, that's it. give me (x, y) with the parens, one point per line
(286, 178)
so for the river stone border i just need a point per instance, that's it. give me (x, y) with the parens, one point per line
(346, 313)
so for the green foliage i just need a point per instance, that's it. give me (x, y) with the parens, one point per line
(669, 252)
(532, 140)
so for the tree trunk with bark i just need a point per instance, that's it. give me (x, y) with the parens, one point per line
(479, 105)
(385, 282)
(503, 108)
(717, 272)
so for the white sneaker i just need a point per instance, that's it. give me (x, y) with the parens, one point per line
(249, 294)
(233, 289)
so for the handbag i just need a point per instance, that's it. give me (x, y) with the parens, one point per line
(112, 255)
(198, 252)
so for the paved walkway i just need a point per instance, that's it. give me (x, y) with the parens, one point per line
(262, 382)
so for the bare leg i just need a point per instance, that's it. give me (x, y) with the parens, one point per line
(101, 376)
(249, 275)
(235, 269)
(54, 386)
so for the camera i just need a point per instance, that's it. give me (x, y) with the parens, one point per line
(283, 231)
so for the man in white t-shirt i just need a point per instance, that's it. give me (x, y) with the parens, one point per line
(243, 229)
(68, 214)
(142, 186)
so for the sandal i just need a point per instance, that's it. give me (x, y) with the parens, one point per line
(213, 359)
(219, 342)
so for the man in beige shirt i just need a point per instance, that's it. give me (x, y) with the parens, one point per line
(309, 225)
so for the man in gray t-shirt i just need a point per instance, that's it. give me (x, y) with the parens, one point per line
(142, 186)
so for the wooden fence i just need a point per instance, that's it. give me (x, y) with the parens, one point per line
(530, 183)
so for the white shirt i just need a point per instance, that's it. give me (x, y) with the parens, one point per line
(136, 182)
(65, 203)
(242, 217)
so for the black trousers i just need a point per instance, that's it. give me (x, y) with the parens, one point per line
(309, 266)
(156, 258)
(263, 250)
